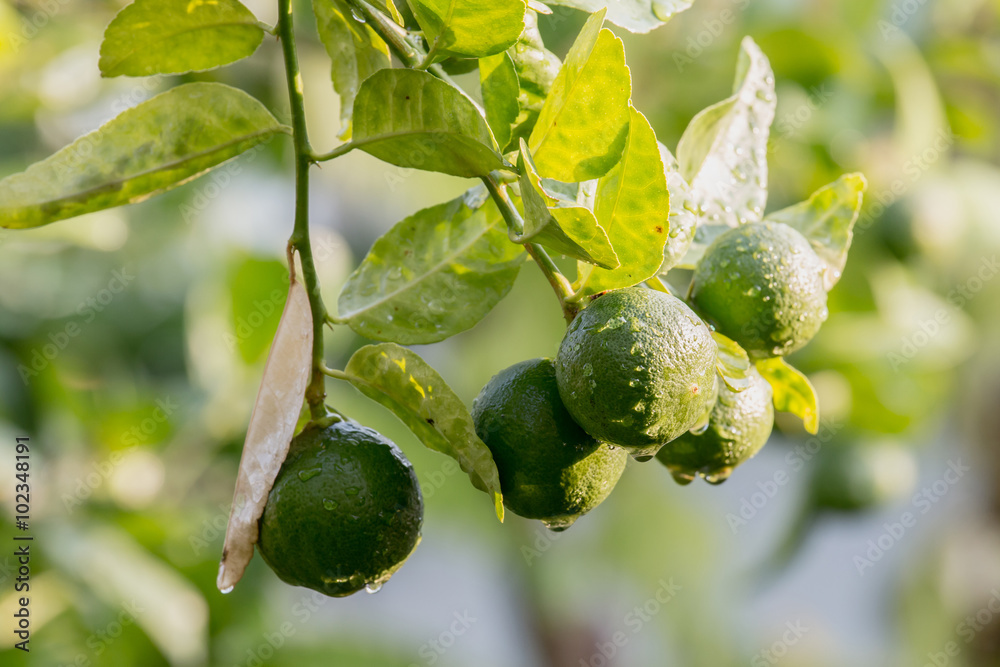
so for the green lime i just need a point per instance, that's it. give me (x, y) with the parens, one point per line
(761, 284)
(860, 475)
(739, 425)
(344, 513)
(637, 369)
(550, 469)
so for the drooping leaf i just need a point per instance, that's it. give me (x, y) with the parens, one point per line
(536, 69)
(633, 206)
(355, 51)
(723, 152)
(583, 126)
(499, 84)
(639, 16)
(272, 425)
(176, 36)
(433, 275)
(409, 118)
(683, 220)
(732, 363)
(792, 391)
(469, 28)
(157, 145)
(827, 219)
(559, 224)
(403, 382)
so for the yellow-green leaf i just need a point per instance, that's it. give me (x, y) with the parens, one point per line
(500, 88)
(792, 391)
(469, 28)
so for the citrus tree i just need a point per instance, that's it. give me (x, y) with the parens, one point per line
(681, 295)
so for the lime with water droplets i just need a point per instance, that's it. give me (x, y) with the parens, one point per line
(344, 513)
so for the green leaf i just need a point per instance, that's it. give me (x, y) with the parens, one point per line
(177, 36)
(403, 382)
(537, 69)
(582, 128)
(433, 275)
(732, 363)
(632, 204)
(469, 28)
(723, 152)
(152, 147)
(356, 52)
(557, 223)
(634, 15)
(683, 220)
(500, 87)
(827, 219)
(792, 391)
(411, 119)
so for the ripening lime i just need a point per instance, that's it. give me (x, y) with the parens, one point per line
(739, 425)
(761, 284)
(344, 513)
(636, 368)
(550, 469)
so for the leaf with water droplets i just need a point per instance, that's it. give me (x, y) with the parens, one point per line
(732, 363)
(638, 16)
(683, 221)
(723, 152)
(433, 275)
(558, 223)
(827, 219)
(633, 205)
(272, 425)
(792, 391)
(403, 382)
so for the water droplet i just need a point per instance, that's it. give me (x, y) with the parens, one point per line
(306, 475)
(588, 370)
(719, 476)
(227, 591)
(560, 524)
(358, 16)
(682, 477)
(373, 587)
(352, 490)
(642, 458)
(330, 504)
(633, 383)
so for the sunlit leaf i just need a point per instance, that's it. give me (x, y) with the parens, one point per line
(537, 69)
(563, 226)
(732, 363)
(403, 382)
(269, 435)
(152, 147)
(469, 28)
(792, 391)
(356, 52)
(683, 220)
(633, 206)
(176, 36)
(409, 118)
(827, 219)
(723, 152)
(583, 126)
(499, 84)
(634, 15)
(433, 275)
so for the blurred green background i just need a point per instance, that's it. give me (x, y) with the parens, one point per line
(132, 341)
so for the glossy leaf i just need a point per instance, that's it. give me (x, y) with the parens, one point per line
(157, 145)
(559, 224)
(683, 220)
(469, 28)
(639, 16)
(355, 51)
(404, 383)
(633, 206)
(269, 435)
(433, 275)
(827, 219)
(409, 118)
(723, 152)
(500, 88)
(583, 126)
(732, 363)
(177, 36)
(792, 391)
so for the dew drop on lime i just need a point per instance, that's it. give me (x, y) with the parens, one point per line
(330, 504)
(352, 490)
(719, 476)
(306, 475)
(373, 587)
(560, 524)
(682, 477)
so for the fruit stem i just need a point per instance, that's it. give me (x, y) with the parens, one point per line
(299, 241)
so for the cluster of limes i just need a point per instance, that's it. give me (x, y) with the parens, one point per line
(636, 374)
